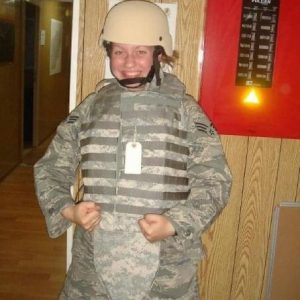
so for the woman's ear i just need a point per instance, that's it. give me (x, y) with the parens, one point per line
(159, 57)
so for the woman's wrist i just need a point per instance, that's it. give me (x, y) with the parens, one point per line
(68, 213)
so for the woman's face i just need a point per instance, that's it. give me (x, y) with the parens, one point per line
(131, 61)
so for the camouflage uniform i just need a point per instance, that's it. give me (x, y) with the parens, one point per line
(184, 177)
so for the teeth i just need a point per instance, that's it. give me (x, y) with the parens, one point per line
(131, 74)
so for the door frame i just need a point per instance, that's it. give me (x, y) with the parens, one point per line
(73, 98)
(74, 54)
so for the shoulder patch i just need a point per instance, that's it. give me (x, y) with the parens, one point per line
(206, 128)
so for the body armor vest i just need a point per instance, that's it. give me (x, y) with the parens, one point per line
(154, 118)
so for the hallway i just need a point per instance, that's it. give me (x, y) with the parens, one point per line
(32, 266)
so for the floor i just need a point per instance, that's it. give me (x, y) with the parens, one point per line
(32, 266)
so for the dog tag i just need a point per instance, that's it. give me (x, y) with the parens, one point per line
(133, 158)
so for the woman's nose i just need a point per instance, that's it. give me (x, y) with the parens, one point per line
(130, 60)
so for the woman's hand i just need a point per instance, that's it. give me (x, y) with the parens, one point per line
(156, 227)
(87, 214)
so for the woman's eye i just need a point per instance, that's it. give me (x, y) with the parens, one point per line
(141, 52)
(117, 52)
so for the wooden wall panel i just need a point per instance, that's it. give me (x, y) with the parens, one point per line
(286, 183)
(189, 32)
(288, 171)
(298, 188)
(79, 74)
(265, 171)
(255, 217)
(93, 54)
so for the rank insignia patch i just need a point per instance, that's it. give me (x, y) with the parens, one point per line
(72, 119)
(206, 128)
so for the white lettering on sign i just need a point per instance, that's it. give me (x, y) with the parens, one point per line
(262, 1)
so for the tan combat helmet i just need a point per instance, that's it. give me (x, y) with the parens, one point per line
(137, 23)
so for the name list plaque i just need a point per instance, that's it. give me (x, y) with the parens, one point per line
(257, 43)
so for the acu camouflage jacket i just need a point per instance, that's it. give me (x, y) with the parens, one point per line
(184, 172)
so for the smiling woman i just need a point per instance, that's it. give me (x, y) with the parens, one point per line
(153, 170)
(256, 188)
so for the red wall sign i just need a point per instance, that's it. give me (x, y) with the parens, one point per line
(276, 110)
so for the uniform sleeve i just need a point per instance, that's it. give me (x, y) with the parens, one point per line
(54, 174)
(209, 177)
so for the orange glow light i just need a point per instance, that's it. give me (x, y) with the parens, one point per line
(252, 98)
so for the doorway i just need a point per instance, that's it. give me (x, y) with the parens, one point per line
(31, 13)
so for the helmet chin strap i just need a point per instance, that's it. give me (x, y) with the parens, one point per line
(127, 82)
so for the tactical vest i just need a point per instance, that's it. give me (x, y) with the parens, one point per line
(154, 118)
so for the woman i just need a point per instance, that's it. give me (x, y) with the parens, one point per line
(153, 170)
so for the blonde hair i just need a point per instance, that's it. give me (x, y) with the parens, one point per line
(169, 60)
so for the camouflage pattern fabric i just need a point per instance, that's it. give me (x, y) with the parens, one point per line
(184, 176)
(82, 281)
(126, 262)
